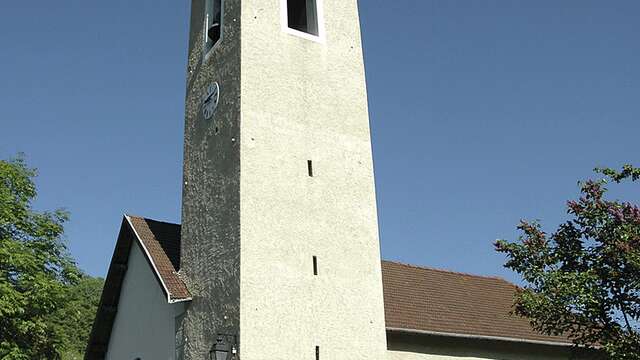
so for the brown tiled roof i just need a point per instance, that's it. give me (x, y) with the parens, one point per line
(443, 302)
(162, 242)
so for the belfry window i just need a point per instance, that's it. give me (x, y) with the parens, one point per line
(212, 24)
(302, 15)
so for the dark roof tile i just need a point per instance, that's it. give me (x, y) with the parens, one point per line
(162, 241)
(423, 299)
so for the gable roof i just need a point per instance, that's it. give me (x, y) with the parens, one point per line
(160, 242)
(437, 302)
(416, 299)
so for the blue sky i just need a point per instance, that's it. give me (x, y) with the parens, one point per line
(482, 113)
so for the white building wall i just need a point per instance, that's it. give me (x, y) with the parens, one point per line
(145, 321)
(409, 355)
(444, 348)
(306, 100)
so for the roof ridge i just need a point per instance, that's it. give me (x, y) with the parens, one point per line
(424, 267)
(149, 219)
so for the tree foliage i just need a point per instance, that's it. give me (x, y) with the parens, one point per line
(75, 319)
(39, 281)
(583, 280)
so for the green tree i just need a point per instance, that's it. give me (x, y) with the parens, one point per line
(75, 319)
(36, 270)
(583, 280)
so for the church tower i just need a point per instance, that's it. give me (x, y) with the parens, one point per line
(280, 244)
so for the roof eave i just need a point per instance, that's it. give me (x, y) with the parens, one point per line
(477, 337)
(149, 258)
(179, 300)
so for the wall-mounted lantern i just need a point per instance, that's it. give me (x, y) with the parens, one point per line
(224, 348)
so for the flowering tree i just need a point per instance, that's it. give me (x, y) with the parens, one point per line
(583, 280)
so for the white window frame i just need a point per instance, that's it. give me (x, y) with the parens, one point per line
(284, 20)
(207, 53)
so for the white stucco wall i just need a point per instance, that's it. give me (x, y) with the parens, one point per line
(306, 100)
(145, 321)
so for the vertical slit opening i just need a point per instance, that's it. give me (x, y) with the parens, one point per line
(315, 265)
(317, 352)
(310, 167)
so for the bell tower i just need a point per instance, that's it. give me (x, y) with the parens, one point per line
(280, 244)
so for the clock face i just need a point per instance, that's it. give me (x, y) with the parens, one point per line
(210, 100)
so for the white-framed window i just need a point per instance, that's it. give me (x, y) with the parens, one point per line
(303, 18)
(212, 24)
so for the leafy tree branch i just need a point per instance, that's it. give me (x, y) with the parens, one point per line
(583, 280)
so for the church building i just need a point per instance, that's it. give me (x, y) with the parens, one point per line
(278, 254)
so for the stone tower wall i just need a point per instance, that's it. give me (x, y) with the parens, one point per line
(210, 254)
(306, 100)
(253, 218)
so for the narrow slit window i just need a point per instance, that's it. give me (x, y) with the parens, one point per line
(310, 167)
(302, 15)
(317, 352)
(212, 24)
(315, 265)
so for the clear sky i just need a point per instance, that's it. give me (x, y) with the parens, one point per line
(482, 113)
